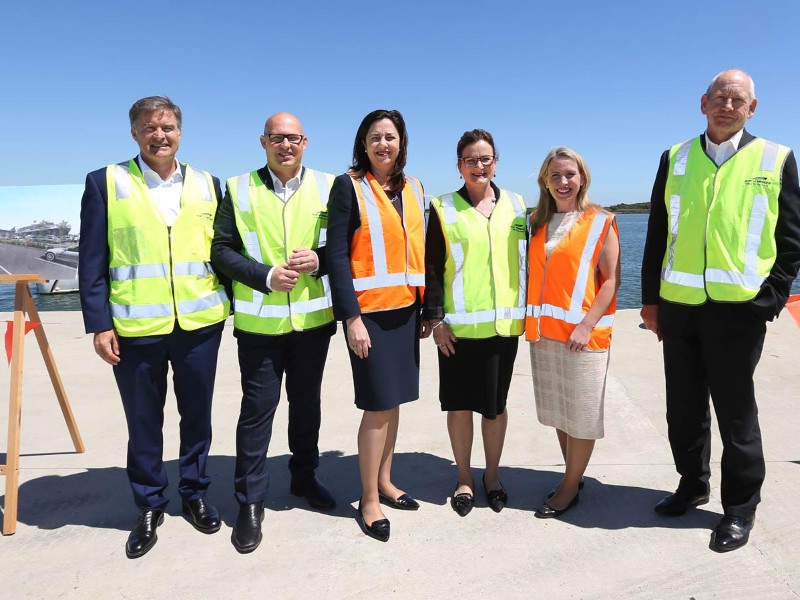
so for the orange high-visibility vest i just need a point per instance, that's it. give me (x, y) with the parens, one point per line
(563, 286)
(387, 253)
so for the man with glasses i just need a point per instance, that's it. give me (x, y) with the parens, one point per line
(269, 238)
(722, 250)
(151, 299)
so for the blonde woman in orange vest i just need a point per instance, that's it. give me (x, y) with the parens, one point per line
(377, 272)
(573, 277)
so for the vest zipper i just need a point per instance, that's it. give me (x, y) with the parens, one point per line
(171, 277)
(491, 268)
(286, 255)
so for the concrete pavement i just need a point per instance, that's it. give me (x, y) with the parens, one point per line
(76, 510)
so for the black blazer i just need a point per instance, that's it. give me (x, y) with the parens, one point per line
(93, 252)
(775, 290)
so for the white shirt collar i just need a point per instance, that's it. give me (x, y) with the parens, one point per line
(294, 182)
(154, 179)
(732, 141)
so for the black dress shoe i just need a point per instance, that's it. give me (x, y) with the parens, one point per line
(246, 534)
(731, 533)
(676, 504)
(313, 491)
(545, 511)
(404, 502)
(378, 530)
(497, 499)
(462, 503)
(143, 537)
(202, 515)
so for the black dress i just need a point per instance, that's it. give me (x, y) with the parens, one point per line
(478, 375)
(389, 375)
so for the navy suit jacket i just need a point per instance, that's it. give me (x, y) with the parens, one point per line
(93, 252)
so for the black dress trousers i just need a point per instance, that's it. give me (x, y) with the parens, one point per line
(713, 349)
(263, 359)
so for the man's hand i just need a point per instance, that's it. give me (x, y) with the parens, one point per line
(649, 314)
(303, 260)
(283, 278)
(106, 344)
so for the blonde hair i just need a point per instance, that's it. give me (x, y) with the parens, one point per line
(547, 204)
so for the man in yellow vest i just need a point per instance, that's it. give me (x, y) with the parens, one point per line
(151, 299)
(722, 250)
(269, 238)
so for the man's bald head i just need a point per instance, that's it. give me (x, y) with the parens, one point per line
(729, 76)
(281, 120)
(727, 104)
(284, 143)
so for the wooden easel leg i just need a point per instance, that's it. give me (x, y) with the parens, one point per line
(52, 370)
(15, 411)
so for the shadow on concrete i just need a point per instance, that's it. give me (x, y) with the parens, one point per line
(101, 497)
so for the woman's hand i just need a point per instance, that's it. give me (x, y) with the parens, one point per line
(444, 338)
(579, 338)
(358, 337)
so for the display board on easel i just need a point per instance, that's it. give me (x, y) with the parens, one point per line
(24, 304)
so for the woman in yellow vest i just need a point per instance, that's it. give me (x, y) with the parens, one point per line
(573, 276)
(376, 264)
(475, 306)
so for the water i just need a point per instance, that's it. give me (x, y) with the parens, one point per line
(632, 233)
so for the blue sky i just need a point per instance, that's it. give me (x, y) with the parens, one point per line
(619, 82)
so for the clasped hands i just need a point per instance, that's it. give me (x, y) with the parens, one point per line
(284, 277)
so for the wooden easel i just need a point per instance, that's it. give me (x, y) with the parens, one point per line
(23, 303)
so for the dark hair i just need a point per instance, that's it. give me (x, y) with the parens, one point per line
(361, 162)
(475, 135)
(151, 103)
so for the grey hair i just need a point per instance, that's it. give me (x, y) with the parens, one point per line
(751, 87)
(152, 103)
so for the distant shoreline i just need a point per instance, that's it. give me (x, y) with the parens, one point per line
(621, 209)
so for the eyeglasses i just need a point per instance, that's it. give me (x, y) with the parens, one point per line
(276, 139)
(473, 162)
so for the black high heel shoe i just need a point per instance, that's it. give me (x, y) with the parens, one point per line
(378, 530)
(497, 499)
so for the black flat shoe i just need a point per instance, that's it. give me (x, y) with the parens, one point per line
(676, 504)
(313, 491)
(731, 533)
(143, 537)
(202, 515)
(462, 503)
(497, 499)
(246, 534)
(404, 502)
(378, 530)
(545, 511)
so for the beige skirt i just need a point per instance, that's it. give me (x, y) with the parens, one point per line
(569, 388)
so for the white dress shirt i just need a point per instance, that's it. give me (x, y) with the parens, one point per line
(166, 193)
(719, 153)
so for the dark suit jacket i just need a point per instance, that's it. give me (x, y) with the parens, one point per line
(93, 252)
(775, 289)
(226, 250)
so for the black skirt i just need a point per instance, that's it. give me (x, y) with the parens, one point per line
(389, 376)
(478, 375)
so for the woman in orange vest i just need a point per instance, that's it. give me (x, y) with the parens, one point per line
(375, 252)
(573, 276)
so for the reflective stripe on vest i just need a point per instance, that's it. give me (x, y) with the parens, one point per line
(379, 285)
(146, 296)
(545, 281)
(270, 229)
(721, 222)
(481, 313)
